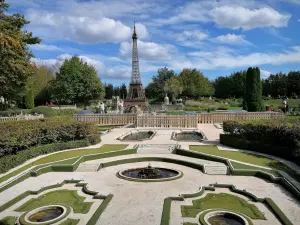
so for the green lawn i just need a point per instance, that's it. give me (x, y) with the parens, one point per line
(10, 220)
(294, 103)
(237, 165)
(65, 197)
(69, 222)
(246, 157)
(188, 223)
(105, 127)
(64, 155)
(221, 201)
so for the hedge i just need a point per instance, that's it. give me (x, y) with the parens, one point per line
(279, 137)
(16, 136)
(8, 162)
(45, 110)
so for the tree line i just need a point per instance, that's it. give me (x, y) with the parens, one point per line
(190, 83)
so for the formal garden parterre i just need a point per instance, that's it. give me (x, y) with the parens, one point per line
(252, 187)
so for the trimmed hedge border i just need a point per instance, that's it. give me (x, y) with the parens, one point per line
(65, 168)
(242, 172)
(268, 202)
(161, 159)
(100, 210)
(11, 161)
(78, 183)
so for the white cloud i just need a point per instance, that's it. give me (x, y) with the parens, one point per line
(226, 58)
(195, 35)
(240, 17)
(81, 29)
(232, 39)
(44, 47)
(264, 74)
(148, 50)
(234, 14)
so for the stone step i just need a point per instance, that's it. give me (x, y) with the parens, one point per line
(87, 167)
(155, 149)
(216, 170)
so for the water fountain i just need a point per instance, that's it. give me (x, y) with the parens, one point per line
(137, 136)
(149, 173)
(188, 136)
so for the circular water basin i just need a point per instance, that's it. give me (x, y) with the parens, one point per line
(45, 214)
(225, 218)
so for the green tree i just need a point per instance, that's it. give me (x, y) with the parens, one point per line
(155, 89)
(253, 95)
(29, 99)
(123, 91)
(195, 84)
(77, 82)
(173, 87)
(116, 91)
(40, 84)
(232, 86)
(109, 91)
(293, 83)
(15, 66)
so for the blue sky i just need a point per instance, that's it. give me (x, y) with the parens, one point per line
(215, 36)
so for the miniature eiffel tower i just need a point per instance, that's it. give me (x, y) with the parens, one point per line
(136, 99)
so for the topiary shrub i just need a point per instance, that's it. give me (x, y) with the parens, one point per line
(45, 110)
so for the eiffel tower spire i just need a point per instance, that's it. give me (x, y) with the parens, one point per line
(135, 73)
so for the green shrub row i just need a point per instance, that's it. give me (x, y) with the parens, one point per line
(20, 135)
(279, 137)
(8, 162)
(45, 110)
(165, 217)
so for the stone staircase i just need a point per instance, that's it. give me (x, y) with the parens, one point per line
(216, 169)
(87, 167)
(155, 149)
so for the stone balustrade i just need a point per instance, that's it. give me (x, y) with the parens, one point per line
(169, 121)
(22, 117)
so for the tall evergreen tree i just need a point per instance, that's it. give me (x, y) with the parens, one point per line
(123, 91)
(109, 91)
(253, 96)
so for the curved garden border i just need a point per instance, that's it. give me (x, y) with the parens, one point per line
(52, 167)
(178, 176)
(242, 172)
(268, 202)
(78, 183)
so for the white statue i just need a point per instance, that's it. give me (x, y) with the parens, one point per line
(166, 100)
(121, 106)
(102, 108)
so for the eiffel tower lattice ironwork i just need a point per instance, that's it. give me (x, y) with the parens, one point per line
(136, 98)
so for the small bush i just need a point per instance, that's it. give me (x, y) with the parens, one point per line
(66, 112)
(10, 161)
(45, 110)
